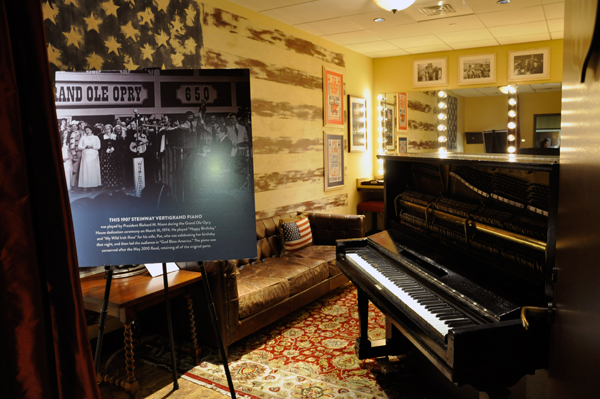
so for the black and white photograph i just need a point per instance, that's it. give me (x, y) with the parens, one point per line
(529, 64)
(158, 164)
(357, 124)
(431, 72)
(474, 69)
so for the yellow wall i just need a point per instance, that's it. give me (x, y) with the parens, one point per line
(530, 105)
(394, 74)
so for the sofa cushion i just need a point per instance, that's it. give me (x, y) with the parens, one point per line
(324, 252)
(295, 234)
(257, 293)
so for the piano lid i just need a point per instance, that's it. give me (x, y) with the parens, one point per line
(535, 161)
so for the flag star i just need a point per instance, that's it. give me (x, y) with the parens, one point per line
(93, 23)
(177, 26)
(113, 45)
(177, 59)
(162, 39)
(73, 37)
(190, 46)
(147, 52)
(190, 15)
(54, 55)
(95, 61)
(129, 31)
(146, 17)
(110, 8)
(50, 11)
(129, 64)
(162, 4)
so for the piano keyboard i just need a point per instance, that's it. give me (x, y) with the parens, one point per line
(430, 308)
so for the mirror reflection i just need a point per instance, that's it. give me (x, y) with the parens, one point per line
(476, 120)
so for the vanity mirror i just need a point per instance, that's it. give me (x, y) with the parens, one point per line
(477, 119)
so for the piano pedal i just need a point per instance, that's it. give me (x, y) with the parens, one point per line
(393, 364)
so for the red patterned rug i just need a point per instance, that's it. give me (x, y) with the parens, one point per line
(310, 354)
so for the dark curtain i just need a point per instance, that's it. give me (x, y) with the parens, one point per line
(45, 350)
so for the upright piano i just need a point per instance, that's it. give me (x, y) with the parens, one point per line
(464, 268)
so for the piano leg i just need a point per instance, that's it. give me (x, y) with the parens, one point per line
(364, 348)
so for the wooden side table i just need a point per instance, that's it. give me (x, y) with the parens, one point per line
(129, 295)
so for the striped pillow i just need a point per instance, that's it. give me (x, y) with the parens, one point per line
(295, 234)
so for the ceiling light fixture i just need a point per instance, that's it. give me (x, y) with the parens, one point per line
(379, 19)
(394, 5)
(503, 1)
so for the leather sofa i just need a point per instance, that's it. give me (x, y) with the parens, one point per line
(252, 293)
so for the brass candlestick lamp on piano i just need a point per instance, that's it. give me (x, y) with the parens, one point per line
(464, 268)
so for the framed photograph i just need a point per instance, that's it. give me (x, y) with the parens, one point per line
(357, 124)
(430, 72)
(529, 64)
(333, 150)
(402, 114)
(475, 69)
(333, 97)
(389, 125)
(402, 145)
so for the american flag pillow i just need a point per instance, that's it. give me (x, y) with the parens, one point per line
(295, 234)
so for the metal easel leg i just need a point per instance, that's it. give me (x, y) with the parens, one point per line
(170, 325)
(103, 312)
(215, 321)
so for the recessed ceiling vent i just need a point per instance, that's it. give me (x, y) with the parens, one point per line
(443, 9)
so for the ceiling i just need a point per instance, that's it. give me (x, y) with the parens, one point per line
(474, 23)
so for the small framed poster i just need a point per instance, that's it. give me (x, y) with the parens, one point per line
(430, 72)
(333, 95)
(402, 145)
(402, 117)
(529, 64)
(474, 69)
(333, 151)
(357, 124)
(389, 126)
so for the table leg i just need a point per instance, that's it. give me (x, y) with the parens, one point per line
(131, 385)
(196, 350)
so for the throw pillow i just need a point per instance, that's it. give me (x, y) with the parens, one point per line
(295, 234)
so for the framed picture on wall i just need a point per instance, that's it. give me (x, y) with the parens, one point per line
(389, 127)
(333, 151)
(402, 145)
(430, 72)
(333, 97)
(402, 114)
(475, 69)
(357, 124)
(529, 64)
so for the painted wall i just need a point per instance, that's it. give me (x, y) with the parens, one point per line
(286, 81)
(394, 74)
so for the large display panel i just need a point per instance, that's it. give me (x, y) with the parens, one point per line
(158, 164)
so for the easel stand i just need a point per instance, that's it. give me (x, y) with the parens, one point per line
(215, 321)
(131, 384)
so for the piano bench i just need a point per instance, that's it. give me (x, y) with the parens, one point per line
(374, 206)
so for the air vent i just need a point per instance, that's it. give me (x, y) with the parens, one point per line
(444, 9)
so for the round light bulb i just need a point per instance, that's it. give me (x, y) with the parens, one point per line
(442, 150)
(441, 116)
(512, 125)
(441, 128)
(380, 129)
(512, 113)
(512, 89)
(511, 137)
(442, 105)
(442, 94)
(442, 139)
(512, 101)
(380, 118)
(512, 149)
(379, 97)
(380, 108)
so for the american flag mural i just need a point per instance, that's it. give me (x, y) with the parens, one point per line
(286, 75)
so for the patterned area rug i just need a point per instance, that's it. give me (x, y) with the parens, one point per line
(308, 354)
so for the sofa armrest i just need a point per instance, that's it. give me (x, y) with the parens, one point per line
(327, 228)
(222, 282)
